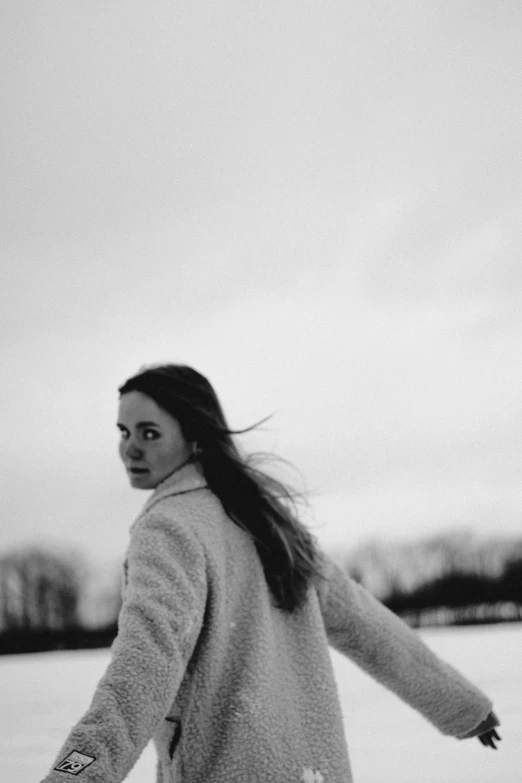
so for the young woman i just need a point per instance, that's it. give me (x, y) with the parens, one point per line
(228, 609)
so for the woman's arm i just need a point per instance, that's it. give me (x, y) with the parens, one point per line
(158, 627)
(362, 628)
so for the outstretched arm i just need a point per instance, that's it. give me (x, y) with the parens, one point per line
(158, 627)
(362, 628)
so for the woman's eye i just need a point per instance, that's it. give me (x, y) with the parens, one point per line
(152, 433)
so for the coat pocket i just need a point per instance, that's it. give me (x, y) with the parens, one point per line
(176, 736)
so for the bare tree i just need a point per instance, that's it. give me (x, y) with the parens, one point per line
(39, 589)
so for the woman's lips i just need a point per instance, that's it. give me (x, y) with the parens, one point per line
(138, 470)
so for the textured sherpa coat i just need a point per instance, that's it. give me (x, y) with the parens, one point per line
(232, 689)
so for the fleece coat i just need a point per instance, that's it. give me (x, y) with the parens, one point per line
(230, 688)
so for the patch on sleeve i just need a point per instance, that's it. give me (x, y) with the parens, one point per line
(312, 776)
(74, 763)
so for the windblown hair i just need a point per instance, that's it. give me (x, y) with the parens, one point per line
(255, 501)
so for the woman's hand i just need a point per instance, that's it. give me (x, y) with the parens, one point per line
(488, 738)
(486, 732)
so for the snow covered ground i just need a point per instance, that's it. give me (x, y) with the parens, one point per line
(42, 695)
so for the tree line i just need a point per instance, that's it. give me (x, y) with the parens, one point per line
(56, 600)
(52, 600)
(449, 578)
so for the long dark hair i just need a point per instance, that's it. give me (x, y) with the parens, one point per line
(255, 501)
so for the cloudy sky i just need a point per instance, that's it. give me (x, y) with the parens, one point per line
(317, 205)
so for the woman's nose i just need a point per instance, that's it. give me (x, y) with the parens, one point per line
(132, 450)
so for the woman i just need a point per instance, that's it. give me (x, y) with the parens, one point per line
(228, 609)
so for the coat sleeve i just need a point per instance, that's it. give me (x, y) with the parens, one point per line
(363, 629)
(158, 626)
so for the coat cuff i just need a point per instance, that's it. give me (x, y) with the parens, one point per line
(486, 725)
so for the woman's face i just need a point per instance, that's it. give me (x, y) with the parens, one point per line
(152, 445)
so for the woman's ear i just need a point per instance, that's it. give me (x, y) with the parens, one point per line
(196, 451)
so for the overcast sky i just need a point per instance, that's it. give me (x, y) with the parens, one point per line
(317, 205)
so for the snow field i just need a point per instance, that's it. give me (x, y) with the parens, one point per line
(44, 694)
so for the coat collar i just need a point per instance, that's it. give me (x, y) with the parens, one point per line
(185, 479)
